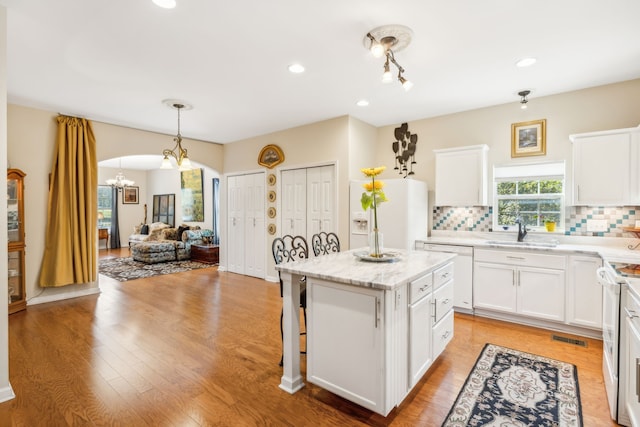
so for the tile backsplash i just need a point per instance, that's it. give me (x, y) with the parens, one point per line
(480, 218)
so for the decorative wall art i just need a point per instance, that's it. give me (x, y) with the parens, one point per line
(130, 195)
(271, 229)
(192, 195)
(270, 156)
(164, 208)
(271, 179)
(271, 212)
(529, 138)
(271, 196)
(404, 148)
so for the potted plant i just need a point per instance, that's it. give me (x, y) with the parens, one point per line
(550, 225)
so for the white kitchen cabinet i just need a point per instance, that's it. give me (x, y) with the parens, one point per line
(461, 176)
(605, 167)
(463, 271)
(523, 283)
(348, 361)
(584, 293)
(420, 352)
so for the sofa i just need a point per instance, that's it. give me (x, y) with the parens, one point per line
(146, 232)
(165, 245)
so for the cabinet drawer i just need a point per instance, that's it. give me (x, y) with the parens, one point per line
(442, 301)
(524, 258)
(421, 287)
(442, 275)
(442, 334)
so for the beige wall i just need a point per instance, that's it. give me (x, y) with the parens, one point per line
(605, 107)
(6, 392)
(32, 131)
(326, 142)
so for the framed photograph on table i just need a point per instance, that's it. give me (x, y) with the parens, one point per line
(130, 195)
(529, 138)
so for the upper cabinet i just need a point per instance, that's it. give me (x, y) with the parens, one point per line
(461, 176)
(605, 167)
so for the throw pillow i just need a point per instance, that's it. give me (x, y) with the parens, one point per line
(181, 230)
(145, 229)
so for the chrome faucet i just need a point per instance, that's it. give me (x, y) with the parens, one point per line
(522, 229)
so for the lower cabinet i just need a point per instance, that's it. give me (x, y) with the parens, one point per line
(631, 358)
(372, 346)
(584, 293)
(345, 342)
(515, 282)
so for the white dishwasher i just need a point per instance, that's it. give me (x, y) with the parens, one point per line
(463, 273)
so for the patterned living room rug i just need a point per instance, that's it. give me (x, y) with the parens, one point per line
(507, 387)
(123, 269)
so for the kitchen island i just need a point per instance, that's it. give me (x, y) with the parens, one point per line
(373, 328)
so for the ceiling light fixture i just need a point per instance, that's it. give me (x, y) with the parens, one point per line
(165, 4)
(526, 62)
(523, 98)
(385, 41)
(178, 153)
(120, 181)
(296, 68)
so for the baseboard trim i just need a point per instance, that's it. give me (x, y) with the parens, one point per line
(41, 299)
(539, 323)
(6, 394)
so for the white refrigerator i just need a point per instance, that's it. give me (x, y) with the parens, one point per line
(402, 219)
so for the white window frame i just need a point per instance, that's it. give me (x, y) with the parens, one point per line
(530, 172)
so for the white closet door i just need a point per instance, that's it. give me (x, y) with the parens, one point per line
(320, 200)
(254, 233)
(294, 202)
(235, 224)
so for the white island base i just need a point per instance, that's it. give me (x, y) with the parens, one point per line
(373, 329)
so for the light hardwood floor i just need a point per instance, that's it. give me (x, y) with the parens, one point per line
(202, 348)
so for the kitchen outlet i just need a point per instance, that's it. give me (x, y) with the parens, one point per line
(596, 225)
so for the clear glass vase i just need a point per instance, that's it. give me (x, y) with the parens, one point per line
(376, 245)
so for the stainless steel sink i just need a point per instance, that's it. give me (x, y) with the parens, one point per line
(527, 244)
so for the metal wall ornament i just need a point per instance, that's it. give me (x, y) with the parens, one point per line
(404, 148)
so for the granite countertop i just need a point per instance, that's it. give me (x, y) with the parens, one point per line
(610, 251)
(345, 267)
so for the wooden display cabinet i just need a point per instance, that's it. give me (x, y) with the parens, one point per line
(17, 298)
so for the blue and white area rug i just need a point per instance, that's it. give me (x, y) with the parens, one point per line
(511, 388)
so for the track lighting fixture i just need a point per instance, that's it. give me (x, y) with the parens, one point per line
(178, 153)
(523, 98)
(385, 41)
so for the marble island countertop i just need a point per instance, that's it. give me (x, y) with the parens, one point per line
(613, 250)
(345, 267)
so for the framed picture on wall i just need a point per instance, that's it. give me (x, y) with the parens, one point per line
(164, 208)
(130, 195)
(529, 138)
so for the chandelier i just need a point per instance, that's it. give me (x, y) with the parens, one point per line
(119, 181)
(178, 153)
(385, 41)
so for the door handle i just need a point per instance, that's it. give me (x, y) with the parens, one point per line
(376, 313)
(630, 313)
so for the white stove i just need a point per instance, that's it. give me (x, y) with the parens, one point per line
(615, 278)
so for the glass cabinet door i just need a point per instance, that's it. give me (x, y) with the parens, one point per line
(14, 222)
(15, 272)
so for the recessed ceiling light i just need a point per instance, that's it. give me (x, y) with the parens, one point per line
(526, 62)
(166, 4)
(362, 103)
(296, 68)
